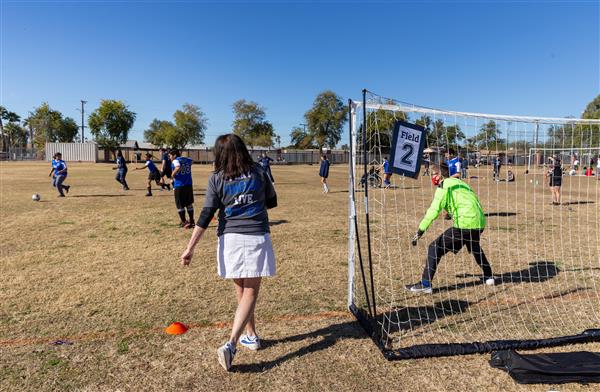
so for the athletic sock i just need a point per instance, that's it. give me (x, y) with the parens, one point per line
(426, 283)
(190, 211)
(168, 187)
(181, 214)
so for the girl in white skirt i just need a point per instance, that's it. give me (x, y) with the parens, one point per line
(242, 192)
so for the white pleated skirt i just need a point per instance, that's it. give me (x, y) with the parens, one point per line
(245, 256)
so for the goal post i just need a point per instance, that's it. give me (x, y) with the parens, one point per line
(545, 258)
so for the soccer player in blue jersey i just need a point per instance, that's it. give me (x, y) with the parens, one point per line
(182, 183)
(453, 163)
(153, 173)
(324, 172)
(59, 174)
(497, 164)
(166, 170)
(121, 169)
(387, 172)
(265, 163)
(241, 191)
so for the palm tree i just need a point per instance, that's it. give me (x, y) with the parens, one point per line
(13, 119)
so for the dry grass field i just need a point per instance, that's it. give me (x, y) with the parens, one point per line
(99, 270)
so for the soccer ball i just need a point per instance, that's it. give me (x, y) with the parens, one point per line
(35, 197)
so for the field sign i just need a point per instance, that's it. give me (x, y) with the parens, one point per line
(407, 149)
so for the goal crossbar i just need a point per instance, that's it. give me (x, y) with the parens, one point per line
(405, 107)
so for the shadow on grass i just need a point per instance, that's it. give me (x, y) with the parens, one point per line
(500, 214)
(568, 203)
(538, 271)
(123, 195)
(412, 317)
(277, 222)
(402, 318)
(329, 336)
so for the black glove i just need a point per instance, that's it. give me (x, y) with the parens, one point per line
(416, 237)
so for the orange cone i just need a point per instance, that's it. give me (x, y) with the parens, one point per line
(176, 328)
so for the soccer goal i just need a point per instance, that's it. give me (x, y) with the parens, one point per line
(569, 156)
(545, 256)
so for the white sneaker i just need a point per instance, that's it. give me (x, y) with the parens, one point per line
(490, 282)
(250, 342)
(225, 355)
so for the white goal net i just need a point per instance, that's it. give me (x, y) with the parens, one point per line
(544, 251)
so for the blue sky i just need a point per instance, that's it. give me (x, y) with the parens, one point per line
(506, 57)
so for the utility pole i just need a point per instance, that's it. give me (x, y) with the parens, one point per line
(304, 125)
(82, 122)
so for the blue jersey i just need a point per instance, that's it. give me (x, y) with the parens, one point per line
(184, 176)
(264, 162)
(453, 166)
(58, 165)
(386, 167)
(151, 166)
(165, 157)
(324, 169)
(121, 164)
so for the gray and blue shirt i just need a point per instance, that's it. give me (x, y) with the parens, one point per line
(242, 202)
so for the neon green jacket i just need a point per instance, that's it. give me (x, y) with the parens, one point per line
(460, 201)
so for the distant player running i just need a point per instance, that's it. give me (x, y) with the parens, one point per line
(59, 174)
(387, 173)
(184, 190)
(324, 172)
(265, 163)
(153, 174)
(166, 169)
(456, 197)
(121, 169)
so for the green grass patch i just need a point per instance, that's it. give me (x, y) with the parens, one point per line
(122, 347)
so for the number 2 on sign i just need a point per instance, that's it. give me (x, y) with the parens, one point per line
(409, 151)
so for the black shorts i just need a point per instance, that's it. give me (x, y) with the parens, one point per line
(154, 176)
(555, 181)
(167, 172)
(184, 196)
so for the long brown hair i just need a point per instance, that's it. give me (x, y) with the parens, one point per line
(231, 156)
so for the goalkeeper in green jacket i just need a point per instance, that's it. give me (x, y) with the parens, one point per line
(459, 200)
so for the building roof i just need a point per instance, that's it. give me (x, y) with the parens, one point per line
(147, 146)
(130, 144)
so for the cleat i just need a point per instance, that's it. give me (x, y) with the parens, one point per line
(184, 225)
(189, 225)
(148, 194)
(250, 342)
(418, 288)
(225, 355)
(67, 187)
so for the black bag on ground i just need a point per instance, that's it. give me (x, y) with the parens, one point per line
(553, 368)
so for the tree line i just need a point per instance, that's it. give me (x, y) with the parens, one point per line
(112, 121)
